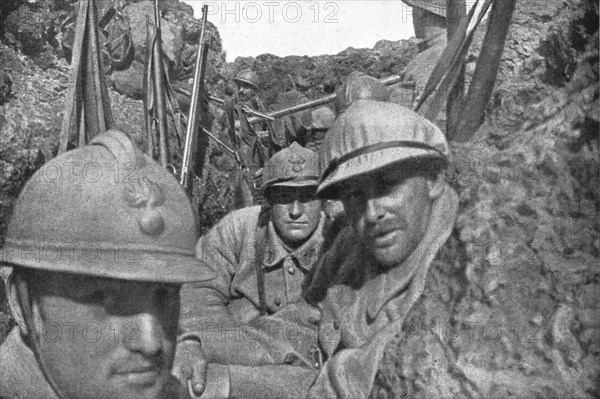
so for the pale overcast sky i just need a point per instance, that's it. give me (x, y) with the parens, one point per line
(305, 27)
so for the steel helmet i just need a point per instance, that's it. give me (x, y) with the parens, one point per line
(247, 76)
(371, 135)
(437, 7)
(359, 86)
(321, 118)
(108, 210)
(293, 166)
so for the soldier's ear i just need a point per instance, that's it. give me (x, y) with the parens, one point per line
(435, 184)
(12, 292)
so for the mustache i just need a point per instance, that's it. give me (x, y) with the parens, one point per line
(381, 228)
(139, 364)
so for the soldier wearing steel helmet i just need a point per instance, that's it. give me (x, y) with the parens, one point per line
(313, 132)
(430, 24)
(100, 240)
(261, 255)
(386, 164)
(246, 82)
(241, 134)
(359, 86)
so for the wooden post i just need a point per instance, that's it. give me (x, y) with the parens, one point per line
(455, 11)
(486, 71)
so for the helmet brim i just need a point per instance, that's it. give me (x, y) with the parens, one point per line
(123, 263)
(247, 82)
(367, 163)
(296, 183)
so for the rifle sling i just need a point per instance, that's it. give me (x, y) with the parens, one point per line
(259, 250)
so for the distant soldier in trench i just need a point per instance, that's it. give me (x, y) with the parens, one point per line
(243, 136)
(312, 135)
(253, 151)
(430, 25)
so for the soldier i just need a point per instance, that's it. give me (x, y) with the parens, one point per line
(312, 135)
(261, 256)
(359, 86)
(287, 127)
(100, 241)
(246, 83)
(430, 24)
(429, 19)
(241, 134)
(386, 164)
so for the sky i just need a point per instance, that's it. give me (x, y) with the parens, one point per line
(304, 27)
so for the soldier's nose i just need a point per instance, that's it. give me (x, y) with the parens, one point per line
(295, 209)
(373, 212)
(145, 334)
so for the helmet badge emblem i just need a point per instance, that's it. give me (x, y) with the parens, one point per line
(147, 194)
(297, 164)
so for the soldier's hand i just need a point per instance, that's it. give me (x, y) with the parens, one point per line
(190, 366)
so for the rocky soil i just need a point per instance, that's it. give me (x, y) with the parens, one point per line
(512, 304)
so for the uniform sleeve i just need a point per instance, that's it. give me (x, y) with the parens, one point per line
(270, 381)
(201, 302)
(349, 373)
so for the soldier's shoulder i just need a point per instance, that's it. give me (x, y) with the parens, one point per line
(250, 212)
(243, 218)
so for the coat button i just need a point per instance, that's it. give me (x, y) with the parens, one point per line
(291, 270)
(277, 301)
(336, 324)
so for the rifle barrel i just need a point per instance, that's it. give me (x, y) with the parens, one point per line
(388, 81)
(245, 108)
(197, 90)
(159, 93)
(225, 146)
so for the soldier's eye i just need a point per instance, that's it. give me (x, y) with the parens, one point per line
(166, 293)
(351, 195)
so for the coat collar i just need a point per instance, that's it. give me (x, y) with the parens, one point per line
(20, 374)
(305, 256)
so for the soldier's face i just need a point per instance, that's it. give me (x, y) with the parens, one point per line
(246, 91)
(389, 210)
(295, 213)
(106, 338)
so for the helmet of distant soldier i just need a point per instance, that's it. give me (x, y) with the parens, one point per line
(321, 118)
(372, 135)
(247, 76)
(437, 7)
(105, 209)
(359, 86)
(293, 166)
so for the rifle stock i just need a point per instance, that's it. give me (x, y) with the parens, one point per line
(187, 165)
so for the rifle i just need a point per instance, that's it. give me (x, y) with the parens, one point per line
(87, 107)
(245, 109)
(388, 81)
(188, 161)
(159, 94)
